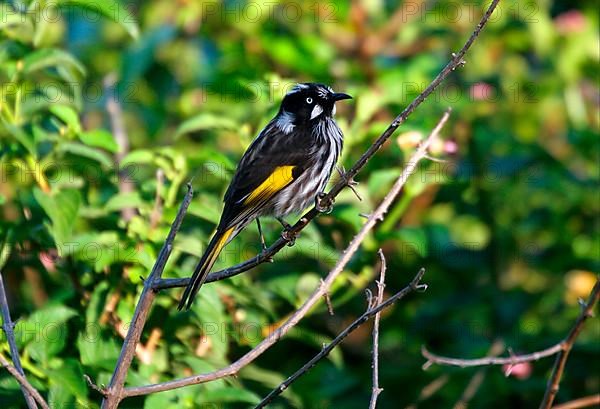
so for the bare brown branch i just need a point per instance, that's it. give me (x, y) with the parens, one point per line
(567, 345)
(114, 391)
(586, 402)
(415, 285)
(29, 390)
(376, 390)
(7, 326)
(510, 360)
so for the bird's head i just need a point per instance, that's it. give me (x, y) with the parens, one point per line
(310, 102)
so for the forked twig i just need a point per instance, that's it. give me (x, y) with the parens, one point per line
(415, 285)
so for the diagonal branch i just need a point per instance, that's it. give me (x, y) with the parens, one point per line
(7, 326)
(372, 310)
(28, 389)
(456, 61)
(114, 391)
(567, 345)
(315, 297)
(585, 402)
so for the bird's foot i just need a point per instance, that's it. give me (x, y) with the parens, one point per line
(288, 233)
(323, 203)
(290, 236)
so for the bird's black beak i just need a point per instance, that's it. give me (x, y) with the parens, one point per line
(338, 96)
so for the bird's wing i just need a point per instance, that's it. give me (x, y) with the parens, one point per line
(271, 163)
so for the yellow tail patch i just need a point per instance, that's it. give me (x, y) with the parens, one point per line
(280, 178)
(219, 246)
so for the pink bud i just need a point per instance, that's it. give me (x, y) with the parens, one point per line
(572, 21)
(482, 91)
(520, 371)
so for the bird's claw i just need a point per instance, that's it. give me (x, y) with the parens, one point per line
(289, 236)
(323, 204)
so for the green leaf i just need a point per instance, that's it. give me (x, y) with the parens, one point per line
(140, 156)
(205, 121)
(416, 238)
(50, 57)
(124, 200)
(110, 9)
(59, 396)
(70, 375)
(88, 152)
(9, 17)
(469, 232)
(22, 137)
(62, 209)
(99, 138)
(95, 350)
(68, 116)
(211, 313)
(44, 332)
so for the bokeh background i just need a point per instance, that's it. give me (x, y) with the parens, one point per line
(109, 108)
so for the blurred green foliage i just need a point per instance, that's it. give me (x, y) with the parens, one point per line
(108, 108)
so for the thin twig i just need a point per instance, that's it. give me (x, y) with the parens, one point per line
(277, 334)
(114, 391)
(115, 113)
(491, 360)
(585, 402)
(561, 350)
(29, 390)
(415, 285)
(380, 287)
(265, 256)
(7, 326)
(328, 300)
(567, 345)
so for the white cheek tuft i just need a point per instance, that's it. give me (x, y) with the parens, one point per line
(317, 110)
(333, 110)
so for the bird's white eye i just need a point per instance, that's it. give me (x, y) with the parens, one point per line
(309, 100)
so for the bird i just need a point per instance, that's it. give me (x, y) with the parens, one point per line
(283, 170)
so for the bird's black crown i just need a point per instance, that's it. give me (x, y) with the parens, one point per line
(311, 101)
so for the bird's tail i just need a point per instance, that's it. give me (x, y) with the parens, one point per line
(219, 240)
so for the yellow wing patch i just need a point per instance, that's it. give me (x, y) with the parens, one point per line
(280, 178)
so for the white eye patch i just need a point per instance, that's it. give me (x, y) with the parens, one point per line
(317, 110)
